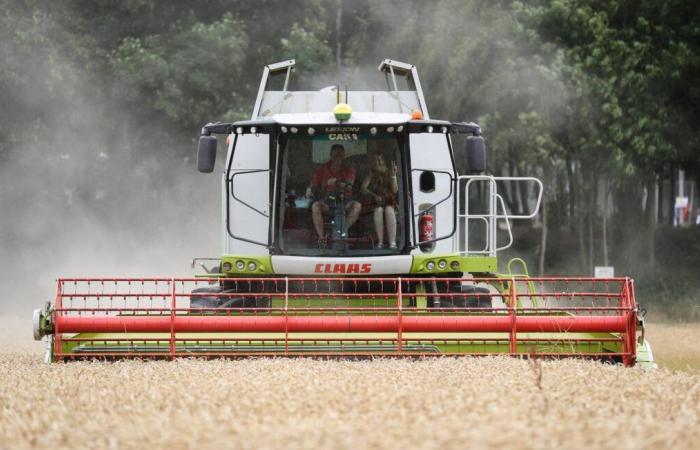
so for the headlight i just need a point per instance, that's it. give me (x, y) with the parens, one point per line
(442, 264)
(430, 265)
(240, 265)
(226, 267)
(252, 266)
(454, 265)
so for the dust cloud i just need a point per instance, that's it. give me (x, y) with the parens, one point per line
(81, 199)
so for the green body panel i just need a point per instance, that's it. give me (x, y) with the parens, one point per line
(263, 265)
(467, 264)
(491, 343)
(645, 357)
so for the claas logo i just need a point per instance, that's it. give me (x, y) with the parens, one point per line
(343, 268)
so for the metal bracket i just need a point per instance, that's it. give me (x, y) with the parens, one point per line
(287, 66)
(641, 312)
(392, 68)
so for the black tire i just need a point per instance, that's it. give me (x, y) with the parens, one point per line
(199, 297)
(467, 296)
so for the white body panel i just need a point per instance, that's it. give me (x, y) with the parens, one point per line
(281, 102)
(328, 119)
(430, 152)
(377, 265)
(252, 153)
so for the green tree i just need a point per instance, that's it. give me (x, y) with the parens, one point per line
(186, 74)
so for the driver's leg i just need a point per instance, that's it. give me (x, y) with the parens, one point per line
(317, 208)
(353, 209)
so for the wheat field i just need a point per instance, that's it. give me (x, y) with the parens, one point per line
(266, 403)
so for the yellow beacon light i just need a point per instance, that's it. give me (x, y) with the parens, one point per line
(342, 111)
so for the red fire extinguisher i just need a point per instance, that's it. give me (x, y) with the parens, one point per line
(425, 228)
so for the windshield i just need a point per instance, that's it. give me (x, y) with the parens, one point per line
(341, 195)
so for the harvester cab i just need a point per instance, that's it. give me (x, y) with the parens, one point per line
(398, 166)
(348, 230)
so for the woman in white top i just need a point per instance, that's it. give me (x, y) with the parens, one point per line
(381, 186)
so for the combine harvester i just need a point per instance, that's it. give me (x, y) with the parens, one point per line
(386, 251)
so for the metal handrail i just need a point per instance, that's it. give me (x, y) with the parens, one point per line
(493, 215)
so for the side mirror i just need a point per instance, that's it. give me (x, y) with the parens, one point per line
(206, 154)
(476, 154)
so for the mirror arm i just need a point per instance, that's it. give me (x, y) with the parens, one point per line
(466, 128)
(217, 128)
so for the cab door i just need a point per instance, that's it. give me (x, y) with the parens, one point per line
(432, 188)
(248, 198)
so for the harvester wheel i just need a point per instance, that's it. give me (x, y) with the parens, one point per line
(36, 325)
(467, 296)
(200, 299)
(41, 322)
(206, 298)
(250, 302)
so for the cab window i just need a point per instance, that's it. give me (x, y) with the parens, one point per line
(341, 195)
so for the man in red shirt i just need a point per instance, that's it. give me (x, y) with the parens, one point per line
(330, 178)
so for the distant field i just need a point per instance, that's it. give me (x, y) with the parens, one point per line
(445, 403)
(675, 346)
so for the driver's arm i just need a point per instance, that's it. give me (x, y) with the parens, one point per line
(314, 184)
(349, 178)
(349, 175)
